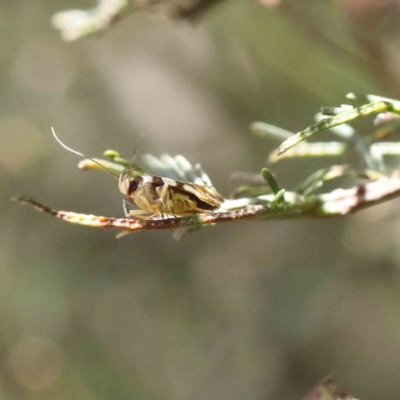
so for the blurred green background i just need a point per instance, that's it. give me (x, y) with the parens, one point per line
(249, 310)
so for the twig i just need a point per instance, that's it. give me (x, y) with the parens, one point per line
(339, 202)
(268, 200)
(74, 24)
(377, 105)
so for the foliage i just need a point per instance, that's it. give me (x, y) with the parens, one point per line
(373, 184)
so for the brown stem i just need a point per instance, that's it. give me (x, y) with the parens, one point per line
(339, 202)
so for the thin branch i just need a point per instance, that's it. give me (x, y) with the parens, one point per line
(345, 116)
(308, 150)
(327, 390)
(267, 199)
(74, 24)
(339, 202)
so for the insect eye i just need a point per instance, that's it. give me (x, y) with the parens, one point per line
(133, 185)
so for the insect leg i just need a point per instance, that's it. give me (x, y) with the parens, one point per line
(170, 195)
(164, 192)
(139, 214)
(125, 207)
(164, 197)
(133, 213)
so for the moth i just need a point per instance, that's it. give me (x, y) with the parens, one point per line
(156, 195)
(160, 195)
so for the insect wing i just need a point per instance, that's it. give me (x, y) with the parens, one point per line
(201, 192)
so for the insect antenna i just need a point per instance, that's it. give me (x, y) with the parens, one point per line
(132, 167)
(81, 154)
(134, 152)
(135, 149)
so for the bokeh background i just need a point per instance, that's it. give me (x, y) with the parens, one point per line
(248, 310)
